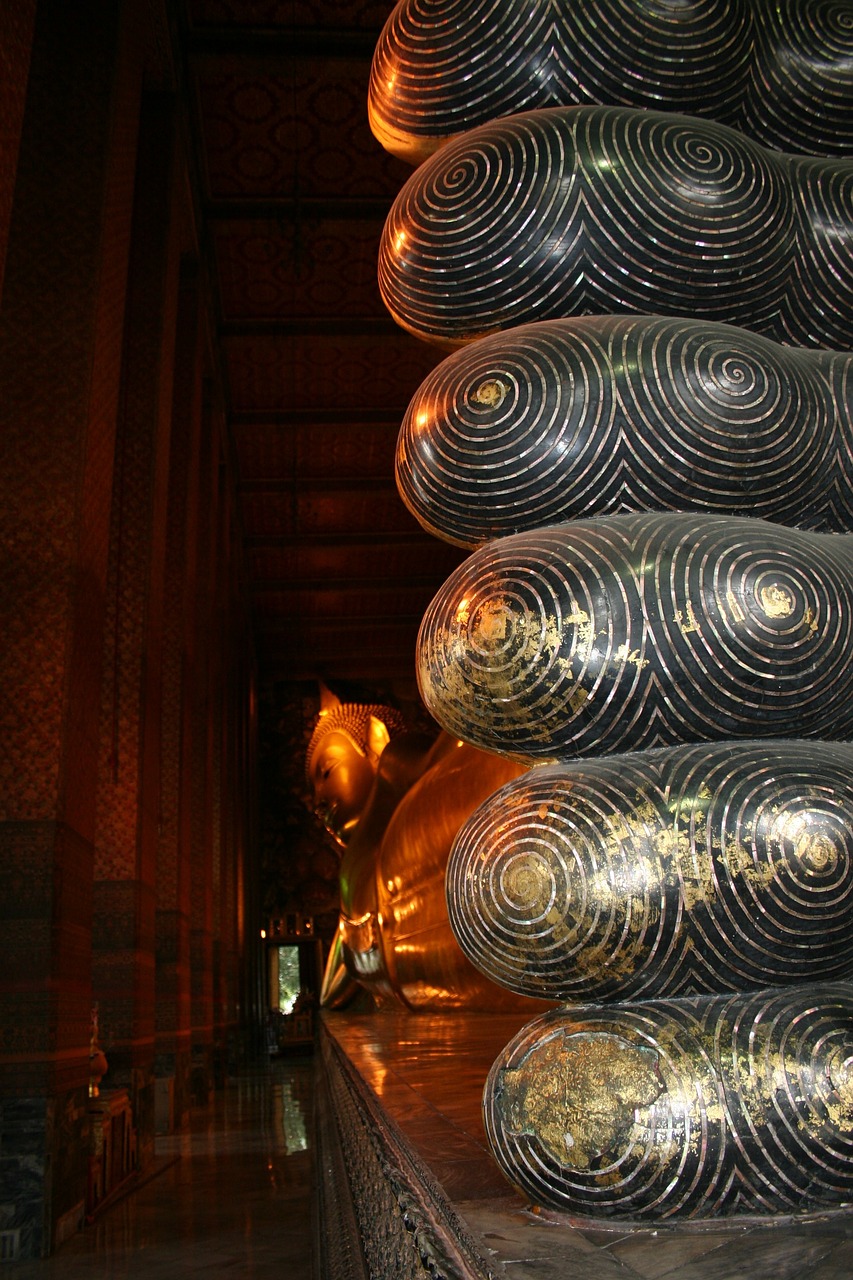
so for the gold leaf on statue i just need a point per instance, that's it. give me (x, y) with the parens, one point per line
(579, 1095)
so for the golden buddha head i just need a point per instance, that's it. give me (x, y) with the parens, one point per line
(342, 760)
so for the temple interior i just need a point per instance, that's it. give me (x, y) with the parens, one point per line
(234, 1040)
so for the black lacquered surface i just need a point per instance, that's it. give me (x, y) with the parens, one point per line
(572, 418)
(800, 90)
(634, 631)
(783, 73)
(700, 1107)
(820, 289)
(587, 210)
(706, 868)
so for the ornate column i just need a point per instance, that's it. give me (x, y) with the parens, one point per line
(129, 782)
(16, 37)
(200, 666)
(60, 361)
(172, 971)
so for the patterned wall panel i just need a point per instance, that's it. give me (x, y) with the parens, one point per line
(298, 268)
(115, 209)
(272, 516)
(183, 444)
(171, 1012)
(342, 603)
(16, 32)
(59, 387)
(309, 373)
(202, 780)
(273, 451)
(45, 909)
(364, 652)
(392, 559)
(132, 645)
(302, 131)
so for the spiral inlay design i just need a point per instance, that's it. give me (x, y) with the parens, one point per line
(634, 631)
(573, 418)
(800, 92)
(689, 677)
(692, 1107)
(589, 210)
(706, 868)
(780, 73)
(820, 291)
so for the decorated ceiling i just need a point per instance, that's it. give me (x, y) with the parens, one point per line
(317, 376)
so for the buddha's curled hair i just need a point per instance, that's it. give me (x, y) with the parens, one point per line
(353, 720)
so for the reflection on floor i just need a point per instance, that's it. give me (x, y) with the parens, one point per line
(428, 1073)
(234, 1198)
(236, 1195)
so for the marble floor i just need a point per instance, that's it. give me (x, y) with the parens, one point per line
(232, 1196)
(428, 1072)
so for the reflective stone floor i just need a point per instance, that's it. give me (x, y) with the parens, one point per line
(429, 1073)
(233, 1197)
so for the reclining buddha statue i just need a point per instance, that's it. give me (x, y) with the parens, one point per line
(393, 799)
(649, 315)
(672, 868)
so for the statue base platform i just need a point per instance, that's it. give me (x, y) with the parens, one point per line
(408, 1186)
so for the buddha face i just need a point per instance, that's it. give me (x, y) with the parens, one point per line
(342, 777)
